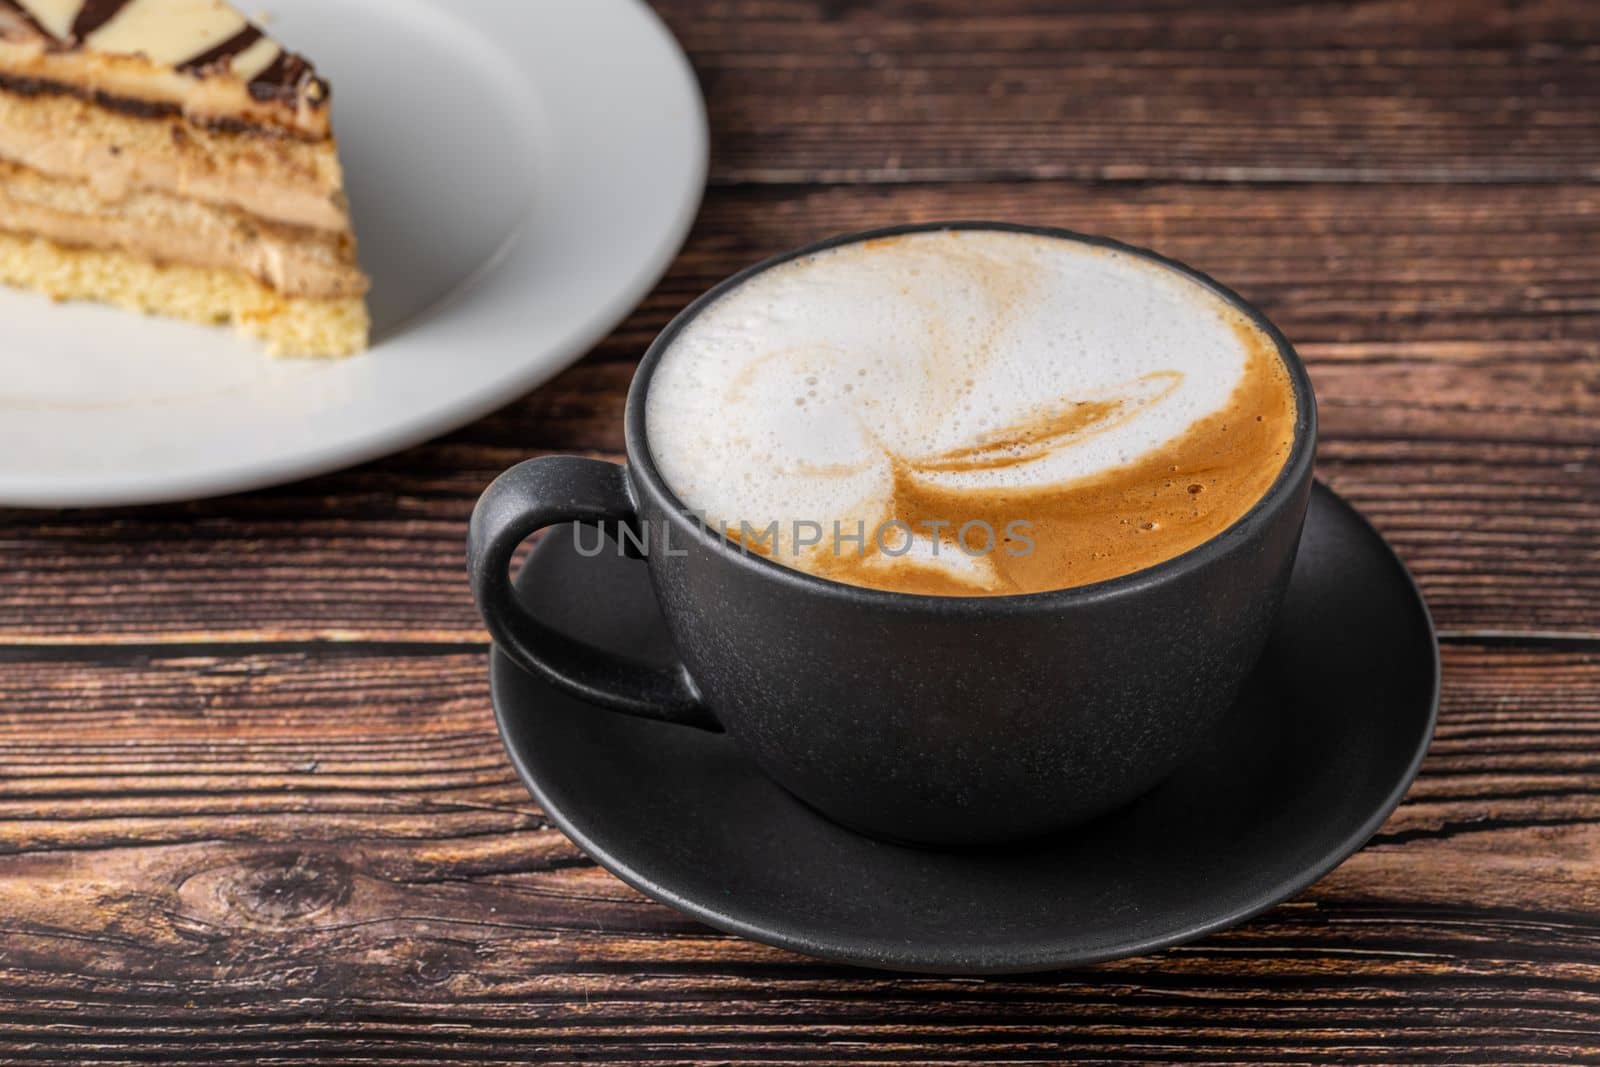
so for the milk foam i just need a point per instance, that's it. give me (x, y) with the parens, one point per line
(792, 397)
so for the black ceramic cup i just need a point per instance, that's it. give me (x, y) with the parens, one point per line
(925, 719)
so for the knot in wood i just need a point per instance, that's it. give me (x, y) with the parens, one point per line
(291, 887)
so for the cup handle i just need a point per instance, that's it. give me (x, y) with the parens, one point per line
(526, 498)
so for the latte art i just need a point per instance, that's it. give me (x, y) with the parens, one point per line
(1081, 412)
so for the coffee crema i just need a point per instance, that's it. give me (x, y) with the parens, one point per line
(971, 413)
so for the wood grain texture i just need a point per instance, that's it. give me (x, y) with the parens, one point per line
(213, 857)
(1389, 90)
(252, 804)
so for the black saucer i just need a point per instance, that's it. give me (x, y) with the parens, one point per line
(1319, 750)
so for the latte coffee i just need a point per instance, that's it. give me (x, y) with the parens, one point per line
(970, 412)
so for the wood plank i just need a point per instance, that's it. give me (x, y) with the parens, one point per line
(1454, 339)
(845, 91)
(209, 857)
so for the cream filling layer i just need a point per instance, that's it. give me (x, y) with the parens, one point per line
(293, 182)
(296, 262)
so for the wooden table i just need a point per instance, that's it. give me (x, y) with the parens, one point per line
(252, 803)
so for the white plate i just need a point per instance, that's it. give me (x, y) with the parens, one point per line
(521, 174)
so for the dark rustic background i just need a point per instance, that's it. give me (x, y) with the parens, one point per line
(252, 803)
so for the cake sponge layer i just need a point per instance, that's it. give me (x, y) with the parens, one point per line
(289, 326)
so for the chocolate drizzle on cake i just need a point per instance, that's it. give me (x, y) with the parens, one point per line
(289, 70)
(233, 46)
(150, 28)
(94, 14)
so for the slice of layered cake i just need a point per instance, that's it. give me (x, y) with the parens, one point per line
(169, 157)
